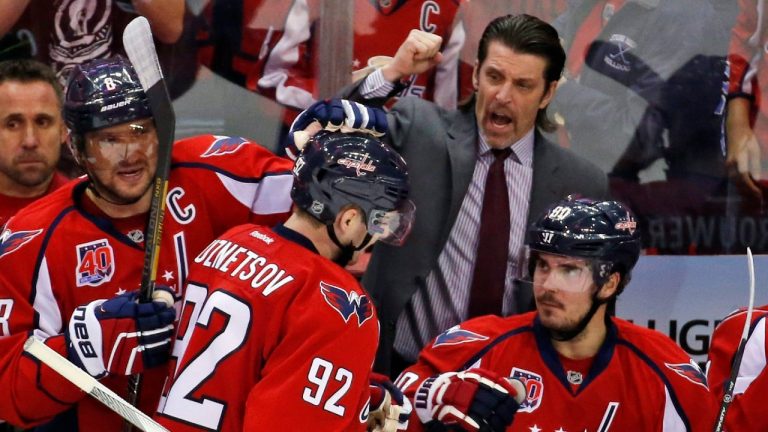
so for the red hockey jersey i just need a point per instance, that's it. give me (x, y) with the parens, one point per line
(56, 255)
(272, 335)
(379, 28)
(10, 205)
(638, 381)
(749, 64)
(747, 410)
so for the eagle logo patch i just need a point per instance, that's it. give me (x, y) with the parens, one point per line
(11, 241)
(224, 145)
(347, 303)
(457, 335)
(691, 372)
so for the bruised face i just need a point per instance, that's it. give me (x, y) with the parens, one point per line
(31, 134)
(510, 91)
(563, 288)
(121, 160)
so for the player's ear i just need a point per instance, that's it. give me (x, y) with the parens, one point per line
(610, 286)
(347, 221)
(475, 72)
(549, 93)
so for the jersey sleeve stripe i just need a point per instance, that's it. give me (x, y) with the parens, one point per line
(673, 402)
(45, 303)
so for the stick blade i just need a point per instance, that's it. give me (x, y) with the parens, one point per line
(140, 47)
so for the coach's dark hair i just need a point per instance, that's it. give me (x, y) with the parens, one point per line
(526, 34)
(28, 71)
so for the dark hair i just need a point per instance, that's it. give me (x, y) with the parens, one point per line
(527, 34)
(27, 71)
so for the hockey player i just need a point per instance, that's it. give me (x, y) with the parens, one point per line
(582, 369)
(85, 242)
(32, 132)
(747, 410)
(273, 328)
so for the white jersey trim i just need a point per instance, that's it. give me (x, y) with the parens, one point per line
(672, 420)
(45, 304)
(270, 195)
(754, 360)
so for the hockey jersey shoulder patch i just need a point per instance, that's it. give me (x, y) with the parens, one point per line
(457, 335)
(690, 371)
(347, 303)
(11, 241)
(224, 145)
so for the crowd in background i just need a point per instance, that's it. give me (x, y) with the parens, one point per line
(663, 98)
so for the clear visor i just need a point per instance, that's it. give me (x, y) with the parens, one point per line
(562, 273)
(392, 227)
(122, 142)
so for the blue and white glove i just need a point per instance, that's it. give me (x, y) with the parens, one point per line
(473, 400)
(389, 408)
(334, 115)
(120, 335)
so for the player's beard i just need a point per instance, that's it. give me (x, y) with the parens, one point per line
(114, 195)
(566, 328)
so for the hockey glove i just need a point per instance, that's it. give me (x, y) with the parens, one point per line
(473, 400)
(333, 115)
(389, 408)
(121, 335)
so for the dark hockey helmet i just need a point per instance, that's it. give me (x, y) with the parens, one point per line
(337, 169)
(103, 93)
(605, 231)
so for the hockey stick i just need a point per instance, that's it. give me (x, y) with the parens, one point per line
(138, 44)
(90, 385)
(731, 383)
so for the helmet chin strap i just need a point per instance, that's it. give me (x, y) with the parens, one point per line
(348, 250)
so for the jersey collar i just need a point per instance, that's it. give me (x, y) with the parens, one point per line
(552, 360)
(295, 237)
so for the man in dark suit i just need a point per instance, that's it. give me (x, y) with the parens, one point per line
(423, 288)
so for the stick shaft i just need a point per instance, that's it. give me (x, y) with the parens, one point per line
(90, 385)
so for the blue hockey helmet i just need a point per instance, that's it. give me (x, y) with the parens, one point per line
(337, 169)
(103, 93)
(605, 231)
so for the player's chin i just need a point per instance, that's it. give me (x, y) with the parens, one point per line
(554, 320)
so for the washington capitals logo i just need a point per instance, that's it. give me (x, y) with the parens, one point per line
(690, 371)
(11, 241)
(347, 303)
(224, 145)
(359, 165)
(457, 335)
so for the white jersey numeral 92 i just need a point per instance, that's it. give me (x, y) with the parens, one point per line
(319, 375)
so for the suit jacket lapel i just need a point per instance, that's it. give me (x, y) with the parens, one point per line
(544, 186)
(462, 153)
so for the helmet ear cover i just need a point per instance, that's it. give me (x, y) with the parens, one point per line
(103, 93)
